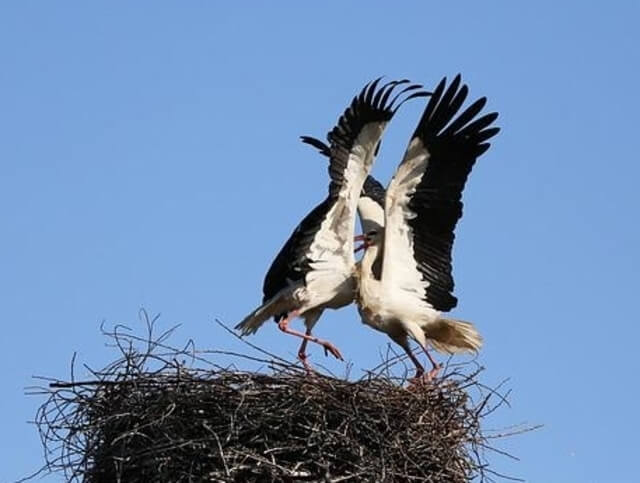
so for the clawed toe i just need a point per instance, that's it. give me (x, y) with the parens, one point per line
(330, 348)
(433, 373)
(424, 378)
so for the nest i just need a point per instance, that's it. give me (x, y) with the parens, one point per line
(163, 414)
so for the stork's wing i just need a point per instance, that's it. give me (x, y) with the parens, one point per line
(371, 202)
(324, 239)
(423, 201)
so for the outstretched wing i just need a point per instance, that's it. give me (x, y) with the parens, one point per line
(423, 201)
(324, 238)
(371, 202)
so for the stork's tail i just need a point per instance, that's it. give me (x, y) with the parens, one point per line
(252, 322)
(453, 336)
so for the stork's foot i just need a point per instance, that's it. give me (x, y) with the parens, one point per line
(330, 348)
(433, 373)
(283, 325)
(424, 378)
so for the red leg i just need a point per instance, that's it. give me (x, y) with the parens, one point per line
(436, 367)
(418, 378)
(416, 362)
(302, 353)
(283, 325)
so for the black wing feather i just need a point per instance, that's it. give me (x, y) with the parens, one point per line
(291, 262)
(453, 145)
(319, 145)
(367, 107)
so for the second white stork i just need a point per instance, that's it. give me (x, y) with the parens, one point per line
(315, 269)
(405, 281)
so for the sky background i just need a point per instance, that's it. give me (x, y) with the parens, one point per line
(149, 157)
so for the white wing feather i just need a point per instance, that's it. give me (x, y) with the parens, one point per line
(399, 269)
(332, 247)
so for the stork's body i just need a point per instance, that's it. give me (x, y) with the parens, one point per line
(315, 269)
(405, 280)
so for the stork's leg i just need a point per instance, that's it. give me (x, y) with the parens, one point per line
(283, 325)
(402, 341)
(435, 366)
(416, 362)
(302, 353)
(420, 376)
(310, 319)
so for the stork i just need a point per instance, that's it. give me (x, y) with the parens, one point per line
(315, 269)
(405, 280)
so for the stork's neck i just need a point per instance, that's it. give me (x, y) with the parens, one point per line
(369, 257)
(369, 285)
(371, 214)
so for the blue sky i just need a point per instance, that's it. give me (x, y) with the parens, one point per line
(150, 158)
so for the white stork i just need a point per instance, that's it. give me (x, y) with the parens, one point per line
(405, 280)
(315, 269)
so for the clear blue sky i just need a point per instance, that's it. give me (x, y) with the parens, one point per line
(149, 157)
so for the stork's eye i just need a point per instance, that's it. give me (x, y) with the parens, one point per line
(372, 233)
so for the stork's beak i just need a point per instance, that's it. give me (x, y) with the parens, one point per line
(360, 238)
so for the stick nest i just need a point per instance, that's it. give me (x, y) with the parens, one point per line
(172, 415)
